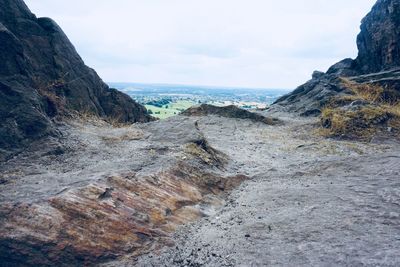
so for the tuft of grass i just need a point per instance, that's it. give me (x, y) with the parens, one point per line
(128, 136)
(360, 123)
(371, 92)
(202, 150)
(55, 103)
(378, 113)
(394, 109)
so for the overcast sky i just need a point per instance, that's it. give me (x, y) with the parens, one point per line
(242, 43)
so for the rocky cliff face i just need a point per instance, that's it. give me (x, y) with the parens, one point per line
(42, 76)
(379, 40)
(379, 51)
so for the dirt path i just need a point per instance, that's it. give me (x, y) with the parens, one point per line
(311, 202)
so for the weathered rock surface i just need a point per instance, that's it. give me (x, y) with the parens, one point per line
(112, 192)
(379, 40)
(311, 202)
(379, 51)
(229, 112)
(309, 98)
(42, 76)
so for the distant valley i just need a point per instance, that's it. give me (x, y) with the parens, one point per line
(165, 100)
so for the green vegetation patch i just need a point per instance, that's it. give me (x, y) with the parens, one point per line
(170, 109)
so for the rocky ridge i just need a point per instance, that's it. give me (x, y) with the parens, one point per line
(378, 55)
(229, 112)
(42, 78)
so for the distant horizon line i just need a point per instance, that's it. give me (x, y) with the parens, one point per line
(202, 86)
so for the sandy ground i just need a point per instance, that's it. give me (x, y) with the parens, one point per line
(311, 201)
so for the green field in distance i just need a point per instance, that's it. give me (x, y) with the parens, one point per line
(171, 109)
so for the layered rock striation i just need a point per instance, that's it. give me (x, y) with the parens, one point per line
(115, 192)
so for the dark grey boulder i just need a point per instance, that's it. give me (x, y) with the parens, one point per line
(379, 40)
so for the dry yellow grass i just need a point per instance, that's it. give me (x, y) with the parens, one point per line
(361, 123)
(92, 118)
(371, 92)
(127, 136)
(202, 150)
(394, 109)
(55, 103)
(380, 112)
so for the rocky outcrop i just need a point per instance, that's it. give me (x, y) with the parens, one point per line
(309, 98)
(123, 215)
(43, 77)
(379, 54)
(114, 192)
(379, 40)
(229, 112)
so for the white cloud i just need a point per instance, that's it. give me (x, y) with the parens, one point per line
(250, 43)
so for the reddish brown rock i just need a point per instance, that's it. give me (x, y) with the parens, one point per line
(125, 215)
